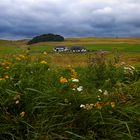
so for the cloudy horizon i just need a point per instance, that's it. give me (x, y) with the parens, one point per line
(76, 18)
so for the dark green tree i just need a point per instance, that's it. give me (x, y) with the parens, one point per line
(46, 37)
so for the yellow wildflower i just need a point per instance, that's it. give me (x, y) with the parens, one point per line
(69, 66)
(63, 80)
(72, 71)
(73, 74)
(45, 53)
(6, 77)
(2, 64)
(22, 114)
(7, 67)
(22, 56)
(43, 62)
(17, 58)
(112, 104)
(99, 105)
(1, 79)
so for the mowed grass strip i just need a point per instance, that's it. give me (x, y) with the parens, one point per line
(114, 47)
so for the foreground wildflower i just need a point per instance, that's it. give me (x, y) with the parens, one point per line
(100, 90)
(22, 56)
(69, 66)
(75, 80)
(17, 99)
(43, 62)
(105, 93)
(132, 67)
(82, 106)
(63, 80)
(1, 79)
(122, 63)
(18, 58)
(99, 98)
(73, 74)
(22, 114)
(80, 88)
(17, 102)
(112, 104)
(6, 67)
(45, 53)
(129, 69)
(6, 77)
(87, 106)
(98, 105)
(5, 63)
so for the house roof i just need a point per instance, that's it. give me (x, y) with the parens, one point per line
(77, 48)
(57, 47)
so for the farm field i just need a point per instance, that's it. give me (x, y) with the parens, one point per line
(128, 49)
(121, 44)
(66, 96)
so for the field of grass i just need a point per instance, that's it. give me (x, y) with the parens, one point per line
(109, 44)
(39, 101)
(98, 47)
(58, 96)
(11, 47)
(128, 49)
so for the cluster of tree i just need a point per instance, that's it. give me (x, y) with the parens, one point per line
(46, 37)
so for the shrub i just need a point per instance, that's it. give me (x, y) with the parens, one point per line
(46, 37)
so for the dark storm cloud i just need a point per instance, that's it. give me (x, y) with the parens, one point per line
(27, 18)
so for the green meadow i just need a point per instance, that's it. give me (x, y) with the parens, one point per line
(108, 44)
(66, 96)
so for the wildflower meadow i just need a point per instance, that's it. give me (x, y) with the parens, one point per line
(40, 102)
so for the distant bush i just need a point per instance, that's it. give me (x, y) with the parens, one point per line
(46, 37)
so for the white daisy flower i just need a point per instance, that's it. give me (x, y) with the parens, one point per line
(100, 90)
(80, 88)
(82, 106)
(75, 80)
(17, 102)
(105, 92)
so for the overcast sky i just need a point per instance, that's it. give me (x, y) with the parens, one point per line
(70, 18)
